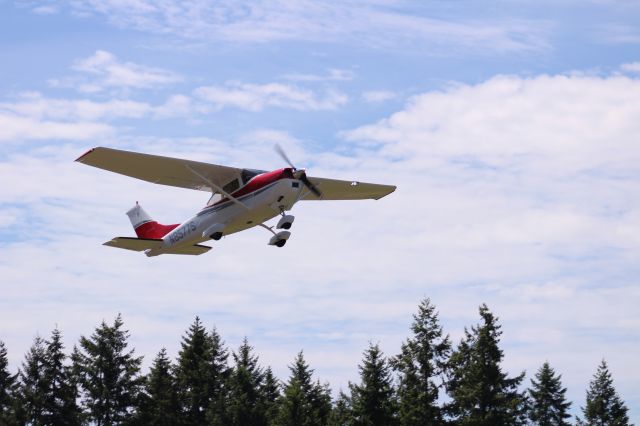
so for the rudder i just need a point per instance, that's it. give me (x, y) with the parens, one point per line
(145, 226)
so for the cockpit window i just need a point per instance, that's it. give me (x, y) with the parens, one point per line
(231, 186)
(248, 174)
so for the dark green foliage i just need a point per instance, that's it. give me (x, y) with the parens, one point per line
(481, 392)
(159, 403)
(548, 406)
(303, 403)
(420, 367)
(245, 402)
(193, 374)
(108, 374)
(33, 386)
(373, 400)
(270, 394)
(8, 389)
(341, 414)
(604, 406)
(217, 379)
(59, 400)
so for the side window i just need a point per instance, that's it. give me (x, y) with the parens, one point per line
(231, 186)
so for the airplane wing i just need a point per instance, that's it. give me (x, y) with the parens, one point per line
(158, 169)
(333, 189)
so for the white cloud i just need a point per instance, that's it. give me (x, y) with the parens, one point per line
(333, 74)
(15, 128)
(83, 114)
(377, 24)
(378, 96)
(633, 67)
(256, 97)
(103, 70)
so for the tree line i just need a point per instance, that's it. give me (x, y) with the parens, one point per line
(430, 382)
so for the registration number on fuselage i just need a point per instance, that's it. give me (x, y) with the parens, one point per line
(180, 233)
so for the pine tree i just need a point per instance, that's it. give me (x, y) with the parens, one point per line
(481, 393)
(302, 403)
(341, 413)
(421, 363)
(33, 386)
(59, 401)
(8, 389)
(160, 405)
(373, 400)
(321, 402)
(270, 394)
(549, 406)
(217, 379)
(604, 406)
(107, 374)
(193, 375)
(245, 406)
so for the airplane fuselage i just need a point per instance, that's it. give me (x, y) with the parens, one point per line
(263, 198)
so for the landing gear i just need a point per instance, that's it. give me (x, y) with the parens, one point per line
(279, 239)
(216, 236)
(285, 222)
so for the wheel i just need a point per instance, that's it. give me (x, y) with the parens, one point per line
(281, 243)
(286, 225)
(216, 236)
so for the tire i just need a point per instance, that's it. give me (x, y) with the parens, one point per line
(281, 243)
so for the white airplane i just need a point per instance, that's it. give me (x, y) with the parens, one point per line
(240, 198)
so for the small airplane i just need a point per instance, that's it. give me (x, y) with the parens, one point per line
(240, 198)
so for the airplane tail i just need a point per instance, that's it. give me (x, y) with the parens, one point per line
(146, 227)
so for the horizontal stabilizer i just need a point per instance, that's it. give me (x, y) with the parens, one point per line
(136, 244)
(194, 250)
(140, 244)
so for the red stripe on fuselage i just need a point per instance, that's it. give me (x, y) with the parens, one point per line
(154, 230)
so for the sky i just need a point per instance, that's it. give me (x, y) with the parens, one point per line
(510, 128)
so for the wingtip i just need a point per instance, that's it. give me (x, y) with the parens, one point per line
(83, 155)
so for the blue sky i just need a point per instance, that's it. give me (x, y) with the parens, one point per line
(510, 129)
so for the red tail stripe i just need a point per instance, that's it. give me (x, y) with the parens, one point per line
(154, 230)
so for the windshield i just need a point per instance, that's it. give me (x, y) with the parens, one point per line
(248, 174)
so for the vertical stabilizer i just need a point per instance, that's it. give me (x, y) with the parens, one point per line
(146, 227)
(138, 216)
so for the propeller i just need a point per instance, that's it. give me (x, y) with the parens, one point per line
(300, 174)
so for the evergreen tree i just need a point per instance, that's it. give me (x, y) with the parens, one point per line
(59, 400)
(373, 400)
(421, 362)
(33, 386)
(321, 402)
(482, 394)
(245, 405)
(549, 406)
(341, 413)
(108, 374)
(303, 403)
(160, 405)
(217, 378)
(193, 375)
(8, 389)
(604, 406)
(270, 395)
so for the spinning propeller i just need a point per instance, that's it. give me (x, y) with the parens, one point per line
(299, 174)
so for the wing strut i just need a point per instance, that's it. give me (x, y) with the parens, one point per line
(217, 188)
